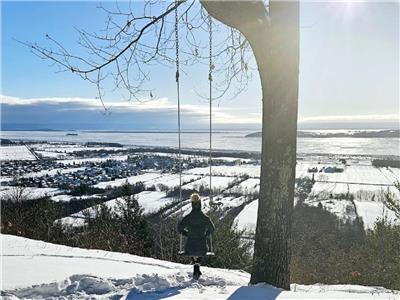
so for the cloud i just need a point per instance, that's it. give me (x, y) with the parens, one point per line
(161, 113)
(156, 111)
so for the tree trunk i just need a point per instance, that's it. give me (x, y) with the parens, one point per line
(275, 43)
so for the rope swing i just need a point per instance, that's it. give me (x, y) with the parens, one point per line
(177, 78)
(179, 119)
(210, 69)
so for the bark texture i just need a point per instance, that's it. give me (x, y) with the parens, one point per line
(274, 38)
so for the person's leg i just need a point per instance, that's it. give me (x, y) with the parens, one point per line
(196, 268)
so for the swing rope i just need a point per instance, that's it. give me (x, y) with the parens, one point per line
(179, 117)
(211, 67)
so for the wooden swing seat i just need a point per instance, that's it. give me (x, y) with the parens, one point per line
(183, 253)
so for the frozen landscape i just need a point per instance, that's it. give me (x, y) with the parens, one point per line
(73, 273)
(350, 186)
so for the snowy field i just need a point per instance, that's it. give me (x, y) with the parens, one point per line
(145, 177)
(365, 183)
(250, 170)
(150, 201)
(218, 183)
(60, 272)
(371, 211)
(248, 186)
(28, 193)
(15, 153)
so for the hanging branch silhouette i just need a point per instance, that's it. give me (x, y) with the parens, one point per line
(133, 39)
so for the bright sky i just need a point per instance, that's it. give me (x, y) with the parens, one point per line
(349, 74)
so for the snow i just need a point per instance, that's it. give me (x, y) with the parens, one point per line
(218, 183)
(28, 193)
(5, 179)
(131, 180)
(66, 198)
(62, 198)
(370, 212)
(150, 201)
(65, 148)
(56, 271)
(51, 154)
(342, 208)
(357, 174)
(62, 262)
(250, 170)
(15, 153)
(52, 172)
(228, 202)
(248, 186)
(79, 161)
(172, 180)
(362, 192)
(247, 218)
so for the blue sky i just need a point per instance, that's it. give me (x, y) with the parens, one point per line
(349, 74)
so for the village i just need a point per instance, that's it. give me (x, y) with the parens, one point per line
(90, 166)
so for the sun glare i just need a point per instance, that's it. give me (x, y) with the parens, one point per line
(347, 10)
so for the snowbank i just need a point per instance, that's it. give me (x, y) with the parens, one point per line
(36, 269)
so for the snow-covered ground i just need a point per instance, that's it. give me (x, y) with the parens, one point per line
(247, 219)
(342, 208)
(35, 269)
(172, 180)
(217, 182)
(52, 172)
(70, 148)
(79, 161)
(250, 170)
(131, 180)
(28, 193)
(150, 201)
(66, 198)
(248, 186)
(370, 211)
(15, 153)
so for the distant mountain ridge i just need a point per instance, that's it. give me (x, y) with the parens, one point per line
(395, 133)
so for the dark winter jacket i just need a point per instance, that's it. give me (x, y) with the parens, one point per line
(196, 226)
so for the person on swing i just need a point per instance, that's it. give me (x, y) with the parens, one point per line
(197, 227)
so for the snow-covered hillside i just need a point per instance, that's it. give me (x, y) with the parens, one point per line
(35, 269)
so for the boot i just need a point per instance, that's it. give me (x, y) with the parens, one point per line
(196, 271)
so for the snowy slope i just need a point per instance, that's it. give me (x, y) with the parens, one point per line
(150, 201)
(29, 193)
(35, 269)
(247, 218)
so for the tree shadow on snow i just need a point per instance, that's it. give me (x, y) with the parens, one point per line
(256, 292)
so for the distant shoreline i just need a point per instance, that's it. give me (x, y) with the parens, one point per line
(311, 133)
(395, 133)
